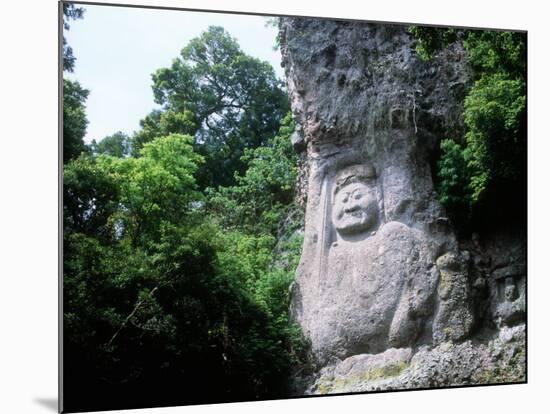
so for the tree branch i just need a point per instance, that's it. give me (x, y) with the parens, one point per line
(138, 305)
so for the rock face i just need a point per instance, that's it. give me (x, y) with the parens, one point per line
(500, 360)
(382, 279)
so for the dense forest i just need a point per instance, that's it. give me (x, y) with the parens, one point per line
(181, 240)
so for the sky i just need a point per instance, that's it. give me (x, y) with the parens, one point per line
(118, 48)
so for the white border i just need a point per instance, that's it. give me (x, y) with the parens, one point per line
(28, 210)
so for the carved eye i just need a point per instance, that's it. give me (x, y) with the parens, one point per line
(357, 196)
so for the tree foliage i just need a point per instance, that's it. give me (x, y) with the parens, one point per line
(493, 113)
(75, 121)
(116, 145)
(74, 95)
(493, 52)
(70, 12)
(228, 100)
(477, 174)
(432, 39)
(453, 169)
(262, 195)
(181, 241)
(160, 123)
(166, 300)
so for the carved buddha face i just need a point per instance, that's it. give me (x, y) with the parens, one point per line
(355, 208)
(510, 291)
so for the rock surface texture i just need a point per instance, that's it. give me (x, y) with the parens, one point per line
(387, 296)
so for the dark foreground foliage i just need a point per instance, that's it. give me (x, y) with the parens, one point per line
(170, 298)
(176, 292)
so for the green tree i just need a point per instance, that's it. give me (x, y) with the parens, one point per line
(131, 197)
(264, 193)
(116, 145)
(74, 95)
(157, 187)
(494, 114)
(228, 100)
(454, 181)
(262, 243)
(477, 174)
(431, 39)
(74, 119)
(492, 52)
(161, 296)
(161, 123)
(70, 12)
(173, 295)
(90, 199)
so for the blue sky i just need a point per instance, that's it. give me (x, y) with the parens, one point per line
(117, 49)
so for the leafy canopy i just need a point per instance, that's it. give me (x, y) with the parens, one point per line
(479, 172)
(75, 121)
(70, 12)
(228, 100)
(116, 145)
(260, 197)
(180, 242)
(162, 290)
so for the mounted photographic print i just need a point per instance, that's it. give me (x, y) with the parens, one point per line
(261, 208)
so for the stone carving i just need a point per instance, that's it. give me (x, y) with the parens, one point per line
(355, 203)
(454, 319)
(502, 359)
(368, 279)
(510, 295)
(382, 281)
(376, 279)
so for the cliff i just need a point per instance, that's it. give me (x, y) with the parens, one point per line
(385, 292)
